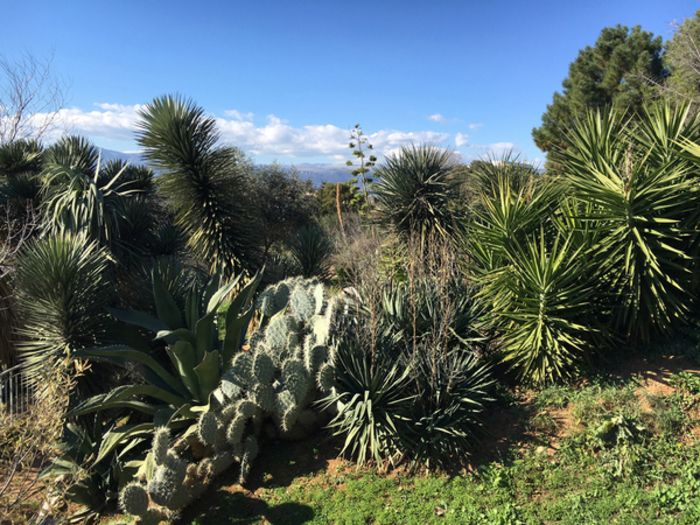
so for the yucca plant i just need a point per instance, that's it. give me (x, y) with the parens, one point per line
(204, 183)
(641, 193)
(77, 201)
(179, 378)
(62, 292)
(487, 175)
(416, 192)
(506, 212)
(544, 303)
(311, 250)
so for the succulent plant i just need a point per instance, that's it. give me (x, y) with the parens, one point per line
(133, 499)
(290, 357)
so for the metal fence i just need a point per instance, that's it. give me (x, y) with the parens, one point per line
(15, 391)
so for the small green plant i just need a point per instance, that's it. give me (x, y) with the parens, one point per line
(620, 436)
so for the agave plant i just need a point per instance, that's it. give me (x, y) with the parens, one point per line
(93, 490)
(453, 388)
(62, 291)
(409, 383)
(204, 183)
(176, 389)
(641, 192)
(415, 192)
(373, 398)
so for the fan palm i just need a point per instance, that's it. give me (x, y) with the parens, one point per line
(203, 182)
(20, 164)
(75, 153)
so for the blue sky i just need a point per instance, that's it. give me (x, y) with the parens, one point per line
(287, 79)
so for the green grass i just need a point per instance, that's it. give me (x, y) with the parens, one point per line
(591, 473)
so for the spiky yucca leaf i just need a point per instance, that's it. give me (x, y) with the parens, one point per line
(505, 214)
(415, 192)
(373, 398)
(90, 203)
(203, 182)
(545, 303)
(452, 397)
(641, 195)
(62, 294)
(486, 176)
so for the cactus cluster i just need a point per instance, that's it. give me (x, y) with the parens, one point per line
(172, 484)
(290, 356)
(289, 359)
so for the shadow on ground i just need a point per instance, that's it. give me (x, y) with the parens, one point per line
(278, 465)
(242, 509)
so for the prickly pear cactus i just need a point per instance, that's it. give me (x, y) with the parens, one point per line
(289, 360)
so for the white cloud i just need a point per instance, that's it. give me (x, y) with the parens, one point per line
(500, 148)
(461, 139)
(113, 125)
(238, 115)
(475, 125)
(113, 121)
(437, 117)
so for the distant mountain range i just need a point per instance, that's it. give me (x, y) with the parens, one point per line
(316, 173)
